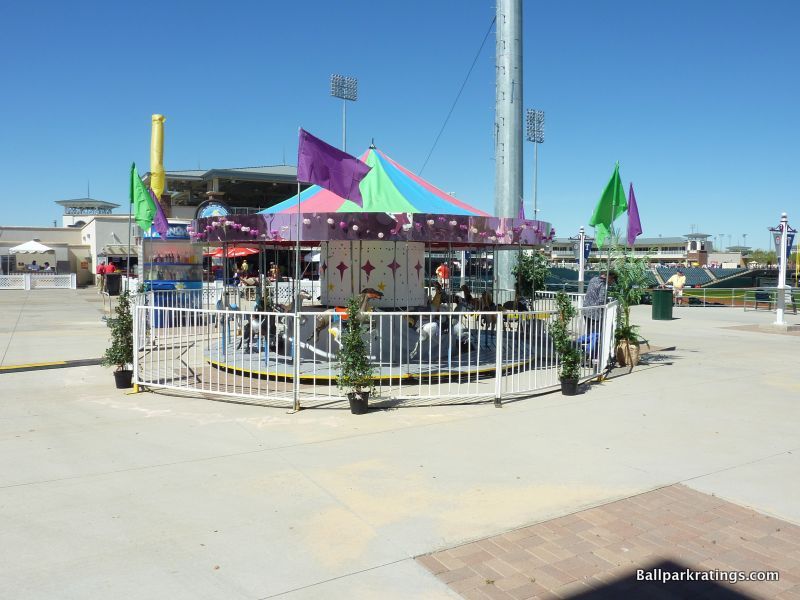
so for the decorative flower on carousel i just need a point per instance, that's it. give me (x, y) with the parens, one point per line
(380, 235)
(245, 229)
(254, 232)
(306, 221)
(407, 226)
(330, 221)
(430, 221)
(342, 225)
(473, 230)
(355, 227)
(453, 223)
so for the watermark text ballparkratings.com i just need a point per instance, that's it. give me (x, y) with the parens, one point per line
(667, 575)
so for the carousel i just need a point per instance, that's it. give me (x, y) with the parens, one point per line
(384, 253)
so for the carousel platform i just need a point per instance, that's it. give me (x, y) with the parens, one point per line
(436, 362)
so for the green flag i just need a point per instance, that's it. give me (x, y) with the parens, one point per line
(144, 211)
(612, 204)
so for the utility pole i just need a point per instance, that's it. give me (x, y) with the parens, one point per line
(508, 125)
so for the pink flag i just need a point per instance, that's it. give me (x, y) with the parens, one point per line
(634, 224)
(329, 167)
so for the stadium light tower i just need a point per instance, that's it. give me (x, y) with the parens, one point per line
(535, 134)
(345, 88)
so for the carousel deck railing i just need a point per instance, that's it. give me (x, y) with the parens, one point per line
(419, 356)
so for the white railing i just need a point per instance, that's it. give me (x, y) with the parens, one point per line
(418, 357)
(31, 281)
(15, 282)
(548, 298)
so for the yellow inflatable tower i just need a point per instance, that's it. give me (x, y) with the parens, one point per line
(157, 176)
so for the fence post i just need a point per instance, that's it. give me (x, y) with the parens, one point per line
(498, 362)
(26, 281)
(135, 311)
(73, 281)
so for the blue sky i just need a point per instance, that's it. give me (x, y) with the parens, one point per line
(697, 100)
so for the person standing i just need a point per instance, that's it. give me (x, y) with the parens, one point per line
(678, 282)
(596, 296)
(101, 276)
(443, 274)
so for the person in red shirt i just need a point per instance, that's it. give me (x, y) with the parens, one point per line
(443, 273)
(101, 279)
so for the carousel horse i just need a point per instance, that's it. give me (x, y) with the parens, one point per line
(270, 325)
(323, 320)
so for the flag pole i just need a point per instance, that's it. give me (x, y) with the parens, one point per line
(130, 226)
(296, 345)
(611, 231)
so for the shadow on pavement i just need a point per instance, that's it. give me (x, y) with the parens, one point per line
(631, 587)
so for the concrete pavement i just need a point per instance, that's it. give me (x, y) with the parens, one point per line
(104, 493)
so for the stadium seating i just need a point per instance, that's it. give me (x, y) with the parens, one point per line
(694, 275)
(720, 273)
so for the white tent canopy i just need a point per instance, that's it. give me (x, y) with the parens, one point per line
(32, 247)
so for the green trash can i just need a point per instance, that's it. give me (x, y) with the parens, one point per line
(662, 304)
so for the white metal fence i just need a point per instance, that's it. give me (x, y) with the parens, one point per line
(418, 357)
(32, 281)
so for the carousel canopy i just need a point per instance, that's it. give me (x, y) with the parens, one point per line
(387, 188)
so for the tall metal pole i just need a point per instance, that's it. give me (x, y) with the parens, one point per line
(344, 125)
(581, 258)
(508, 125)
(781, 304)
(535, 180)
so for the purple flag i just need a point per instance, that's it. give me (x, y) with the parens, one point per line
(159, 220)
(329, 167)
(634, 224)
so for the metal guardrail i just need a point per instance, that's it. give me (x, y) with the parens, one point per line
(747, 298)
(419, 357)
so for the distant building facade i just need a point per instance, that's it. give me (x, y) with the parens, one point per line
(692, 249)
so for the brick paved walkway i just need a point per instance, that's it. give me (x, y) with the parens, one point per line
(594, 554)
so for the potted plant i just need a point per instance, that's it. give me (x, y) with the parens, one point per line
(355, 370)
(120, 353)
(633, 278)
(568, 353)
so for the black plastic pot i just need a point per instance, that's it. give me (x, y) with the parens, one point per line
(359, 402)
(569, 387)
(123, 379)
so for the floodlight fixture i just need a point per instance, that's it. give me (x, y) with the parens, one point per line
(535, 126)
(344, 87)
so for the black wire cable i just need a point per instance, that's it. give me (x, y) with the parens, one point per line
(452, 108)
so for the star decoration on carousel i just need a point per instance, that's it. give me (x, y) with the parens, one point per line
(394, 265)
(324, 267)
(331, 287)
(381, 286)
(341, 267)
(367, 268)
(418, 267)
